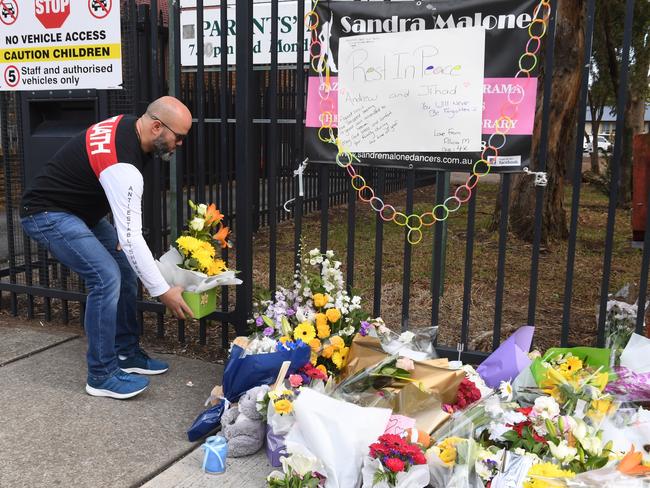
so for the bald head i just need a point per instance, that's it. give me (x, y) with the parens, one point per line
(170, 109)
(164, 126)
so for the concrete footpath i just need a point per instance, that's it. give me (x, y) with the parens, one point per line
(53, 434)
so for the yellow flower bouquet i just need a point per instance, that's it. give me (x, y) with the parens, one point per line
(195, 262)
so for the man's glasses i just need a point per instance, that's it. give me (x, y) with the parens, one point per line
(179, 137)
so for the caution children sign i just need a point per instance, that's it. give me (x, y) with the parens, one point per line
(60, 45)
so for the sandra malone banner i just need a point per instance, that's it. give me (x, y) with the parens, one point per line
(409, 94)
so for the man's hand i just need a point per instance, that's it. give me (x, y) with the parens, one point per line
(173, 300)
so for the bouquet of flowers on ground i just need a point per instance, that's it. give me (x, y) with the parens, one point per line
(575, 377)
(317, 311)
(454, 461)
(395, 462)
(195, 264)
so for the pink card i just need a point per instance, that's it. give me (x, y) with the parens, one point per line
(397, 424)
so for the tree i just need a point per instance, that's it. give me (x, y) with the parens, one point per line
(610, 23)
(566, 79)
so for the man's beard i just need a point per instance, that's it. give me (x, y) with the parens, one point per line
(161, 149)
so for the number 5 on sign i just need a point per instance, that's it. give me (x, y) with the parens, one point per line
(12, 76)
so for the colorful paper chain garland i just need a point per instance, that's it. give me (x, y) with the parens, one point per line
(481, 167)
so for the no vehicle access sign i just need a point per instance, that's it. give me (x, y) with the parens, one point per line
(60, 45)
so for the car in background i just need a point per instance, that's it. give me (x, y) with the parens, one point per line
(603, 144)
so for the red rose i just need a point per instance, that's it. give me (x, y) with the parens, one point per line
(394, 464)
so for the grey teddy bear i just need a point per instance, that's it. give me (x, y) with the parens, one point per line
(243, 426)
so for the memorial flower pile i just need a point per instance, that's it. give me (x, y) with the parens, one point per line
(317, 311)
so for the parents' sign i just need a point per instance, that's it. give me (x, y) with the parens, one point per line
(412, 91)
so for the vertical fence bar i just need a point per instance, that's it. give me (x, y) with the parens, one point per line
(577, 175)
(4, 104)
(44, 280)
(406, 277)
(352, 215)
(467, 278)
(501, 259)
(379, 246)
(176, 175)
(224, 155)
(438, 256)
(621, 98)
(273, 150)
(245, 166)
(299, 113)
(155, 74)
(324, 172)
(541, 163)
(199, 98)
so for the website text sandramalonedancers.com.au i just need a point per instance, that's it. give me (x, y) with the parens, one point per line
(415, 158)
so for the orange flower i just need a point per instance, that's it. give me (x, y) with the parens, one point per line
(222, 237)
(631, 463)
(328, 351)
(212, 215)
(322, 368)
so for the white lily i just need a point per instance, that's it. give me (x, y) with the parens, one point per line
(299, 463)
(562, 451)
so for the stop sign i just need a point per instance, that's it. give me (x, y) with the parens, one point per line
(52, 13)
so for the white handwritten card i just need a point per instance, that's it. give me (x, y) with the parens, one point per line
(418, 91)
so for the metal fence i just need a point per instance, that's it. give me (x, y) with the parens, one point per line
(245, 145)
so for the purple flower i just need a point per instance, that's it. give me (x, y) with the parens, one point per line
(259, 321)
(269, 331)
(290, 312)
(364, 328)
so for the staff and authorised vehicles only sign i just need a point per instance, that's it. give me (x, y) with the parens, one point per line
(60, 44)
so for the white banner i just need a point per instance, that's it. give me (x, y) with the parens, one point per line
(412, 91)
(287, 47)
(60, 45)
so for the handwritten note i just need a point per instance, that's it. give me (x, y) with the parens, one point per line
(412, 91)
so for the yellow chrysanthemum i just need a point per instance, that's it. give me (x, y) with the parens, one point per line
(203, 257)
(313, 358)
(207, 247)
(283, 407)
(542, 476)
(320, 300)
(315, 345)
(305, 332)
(327, 352)
(324, 330)
(217, 266)
(337, 360)
(337, 342)
(333, 314)
(187, 244)
(284, 339)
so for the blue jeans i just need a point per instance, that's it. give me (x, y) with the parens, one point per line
(110, 319)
